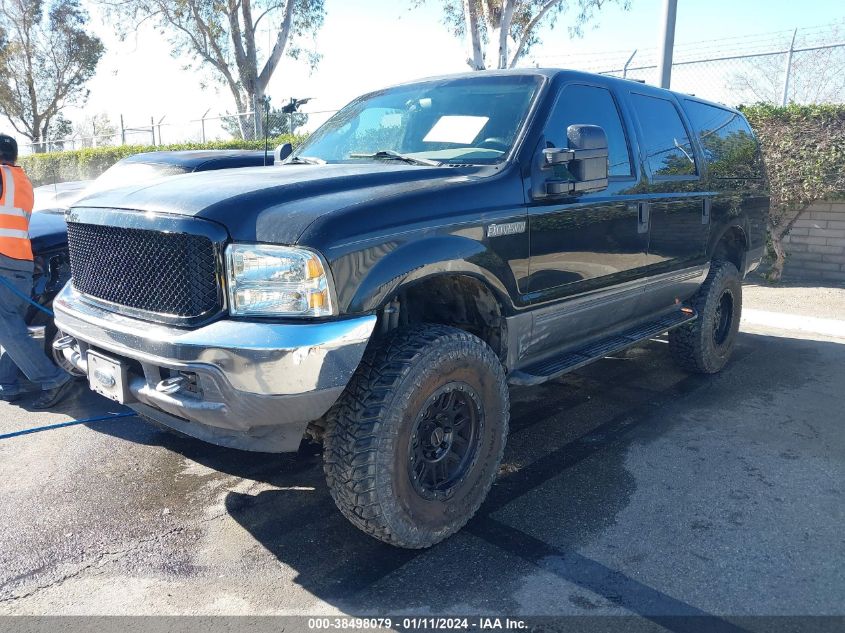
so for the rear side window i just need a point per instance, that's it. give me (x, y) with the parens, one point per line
(591, 105)
(665, 140)
(729, 145)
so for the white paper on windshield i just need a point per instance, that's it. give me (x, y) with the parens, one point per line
(456, 129)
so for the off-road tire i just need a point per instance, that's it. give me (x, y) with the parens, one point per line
(372, 430)
(698, 347)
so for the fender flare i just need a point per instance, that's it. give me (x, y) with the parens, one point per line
(716, 237)
(431, 257)
(719, 235)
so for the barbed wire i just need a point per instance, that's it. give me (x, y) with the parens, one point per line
(759, 43)
(731, 69)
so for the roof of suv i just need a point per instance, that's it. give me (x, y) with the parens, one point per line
(552, 73)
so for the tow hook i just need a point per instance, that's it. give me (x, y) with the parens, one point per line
(170, 386)
(64, 342)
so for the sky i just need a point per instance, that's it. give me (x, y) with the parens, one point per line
(368, 44)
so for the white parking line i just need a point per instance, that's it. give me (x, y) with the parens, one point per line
(795, 322)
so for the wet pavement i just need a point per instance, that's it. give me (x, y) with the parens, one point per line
(629, 487)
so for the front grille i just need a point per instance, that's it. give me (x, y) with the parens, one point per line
(165, 273)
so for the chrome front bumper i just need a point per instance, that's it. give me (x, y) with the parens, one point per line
(249, 384)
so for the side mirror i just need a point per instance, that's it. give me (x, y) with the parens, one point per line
(281, 153)
(585, 159)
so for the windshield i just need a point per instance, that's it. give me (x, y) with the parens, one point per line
(469, 120)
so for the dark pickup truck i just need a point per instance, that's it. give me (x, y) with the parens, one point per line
(428, 245)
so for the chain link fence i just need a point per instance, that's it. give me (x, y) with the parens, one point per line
(801, 66)
(204, 129)
(798, 66)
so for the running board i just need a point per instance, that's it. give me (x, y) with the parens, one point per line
(556, 366)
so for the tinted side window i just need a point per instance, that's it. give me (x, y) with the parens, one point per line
(729, 145)
(590, 105)
(665, 141)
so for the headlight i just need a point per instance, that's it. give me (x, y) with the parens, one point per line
(276, 281)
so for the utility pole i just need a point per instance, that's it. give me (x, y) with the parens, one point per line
(664, 63)
(628, 63)
(785, 96)
(202, 124)
(159, 129)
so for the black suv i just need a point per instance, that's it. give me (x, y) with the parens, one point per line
(431, 243)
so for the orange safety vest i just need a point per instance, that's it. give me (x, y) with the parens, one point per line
(16, 200)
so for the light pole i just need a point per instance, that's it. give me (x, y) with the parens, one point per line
(664, 63)
(784, 100)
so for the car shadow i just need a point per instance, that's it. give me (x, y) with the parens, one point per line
(81, 403)
(554, 428)
(793, 282)
(270, 468)
(568, 446)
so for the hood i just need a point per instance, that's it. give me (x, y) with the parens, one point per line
(58, 196)
(276, 203)
(47, 231)
(199, 159)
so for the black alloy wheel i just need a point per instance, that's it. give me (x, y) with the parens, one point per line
(444, 442)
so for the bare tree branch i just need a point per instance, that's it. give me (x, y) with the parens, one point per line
(507, 29)
(46, 61)
(529, 30)
(476, 58)
(278, 47)
(221, 36)
(504, 30)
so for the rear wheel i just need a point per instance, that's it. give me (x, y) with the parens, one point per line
(414, 443)
(705, 345)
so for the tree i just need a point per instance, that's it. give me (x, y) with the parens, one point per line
(95, 131)
(278, 121)
(804, 151)
(61, 129)
(46, 58)
(223, 36)
(499, 33)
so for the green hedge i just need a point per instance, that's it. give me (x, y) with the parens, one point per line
(86, 164)
(804, 150)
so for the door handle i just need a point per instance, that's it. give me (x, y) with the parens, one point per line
(705, 211)
(643, 216)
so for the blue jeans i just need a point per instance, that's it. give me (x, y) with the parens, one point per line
(21, 353)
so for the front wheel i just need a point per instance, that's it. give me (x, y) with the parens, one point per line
(414, 444)
(705, 345)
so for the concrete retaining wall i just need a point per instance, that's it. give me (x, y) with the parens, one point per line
(816, 244)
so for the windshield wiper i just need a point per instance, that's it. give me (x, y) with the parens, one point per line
(389, 154)
(306, 160)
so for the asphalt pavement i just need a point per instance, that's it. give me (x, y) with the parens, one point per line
(628, 488)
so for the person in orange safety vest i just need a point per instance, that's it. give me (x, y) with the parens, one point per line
(20, 352)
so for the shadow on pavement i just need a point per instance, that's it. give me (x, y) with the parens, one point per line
(566, 454)
(81, 403)
(336, 562)
(793, 282)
